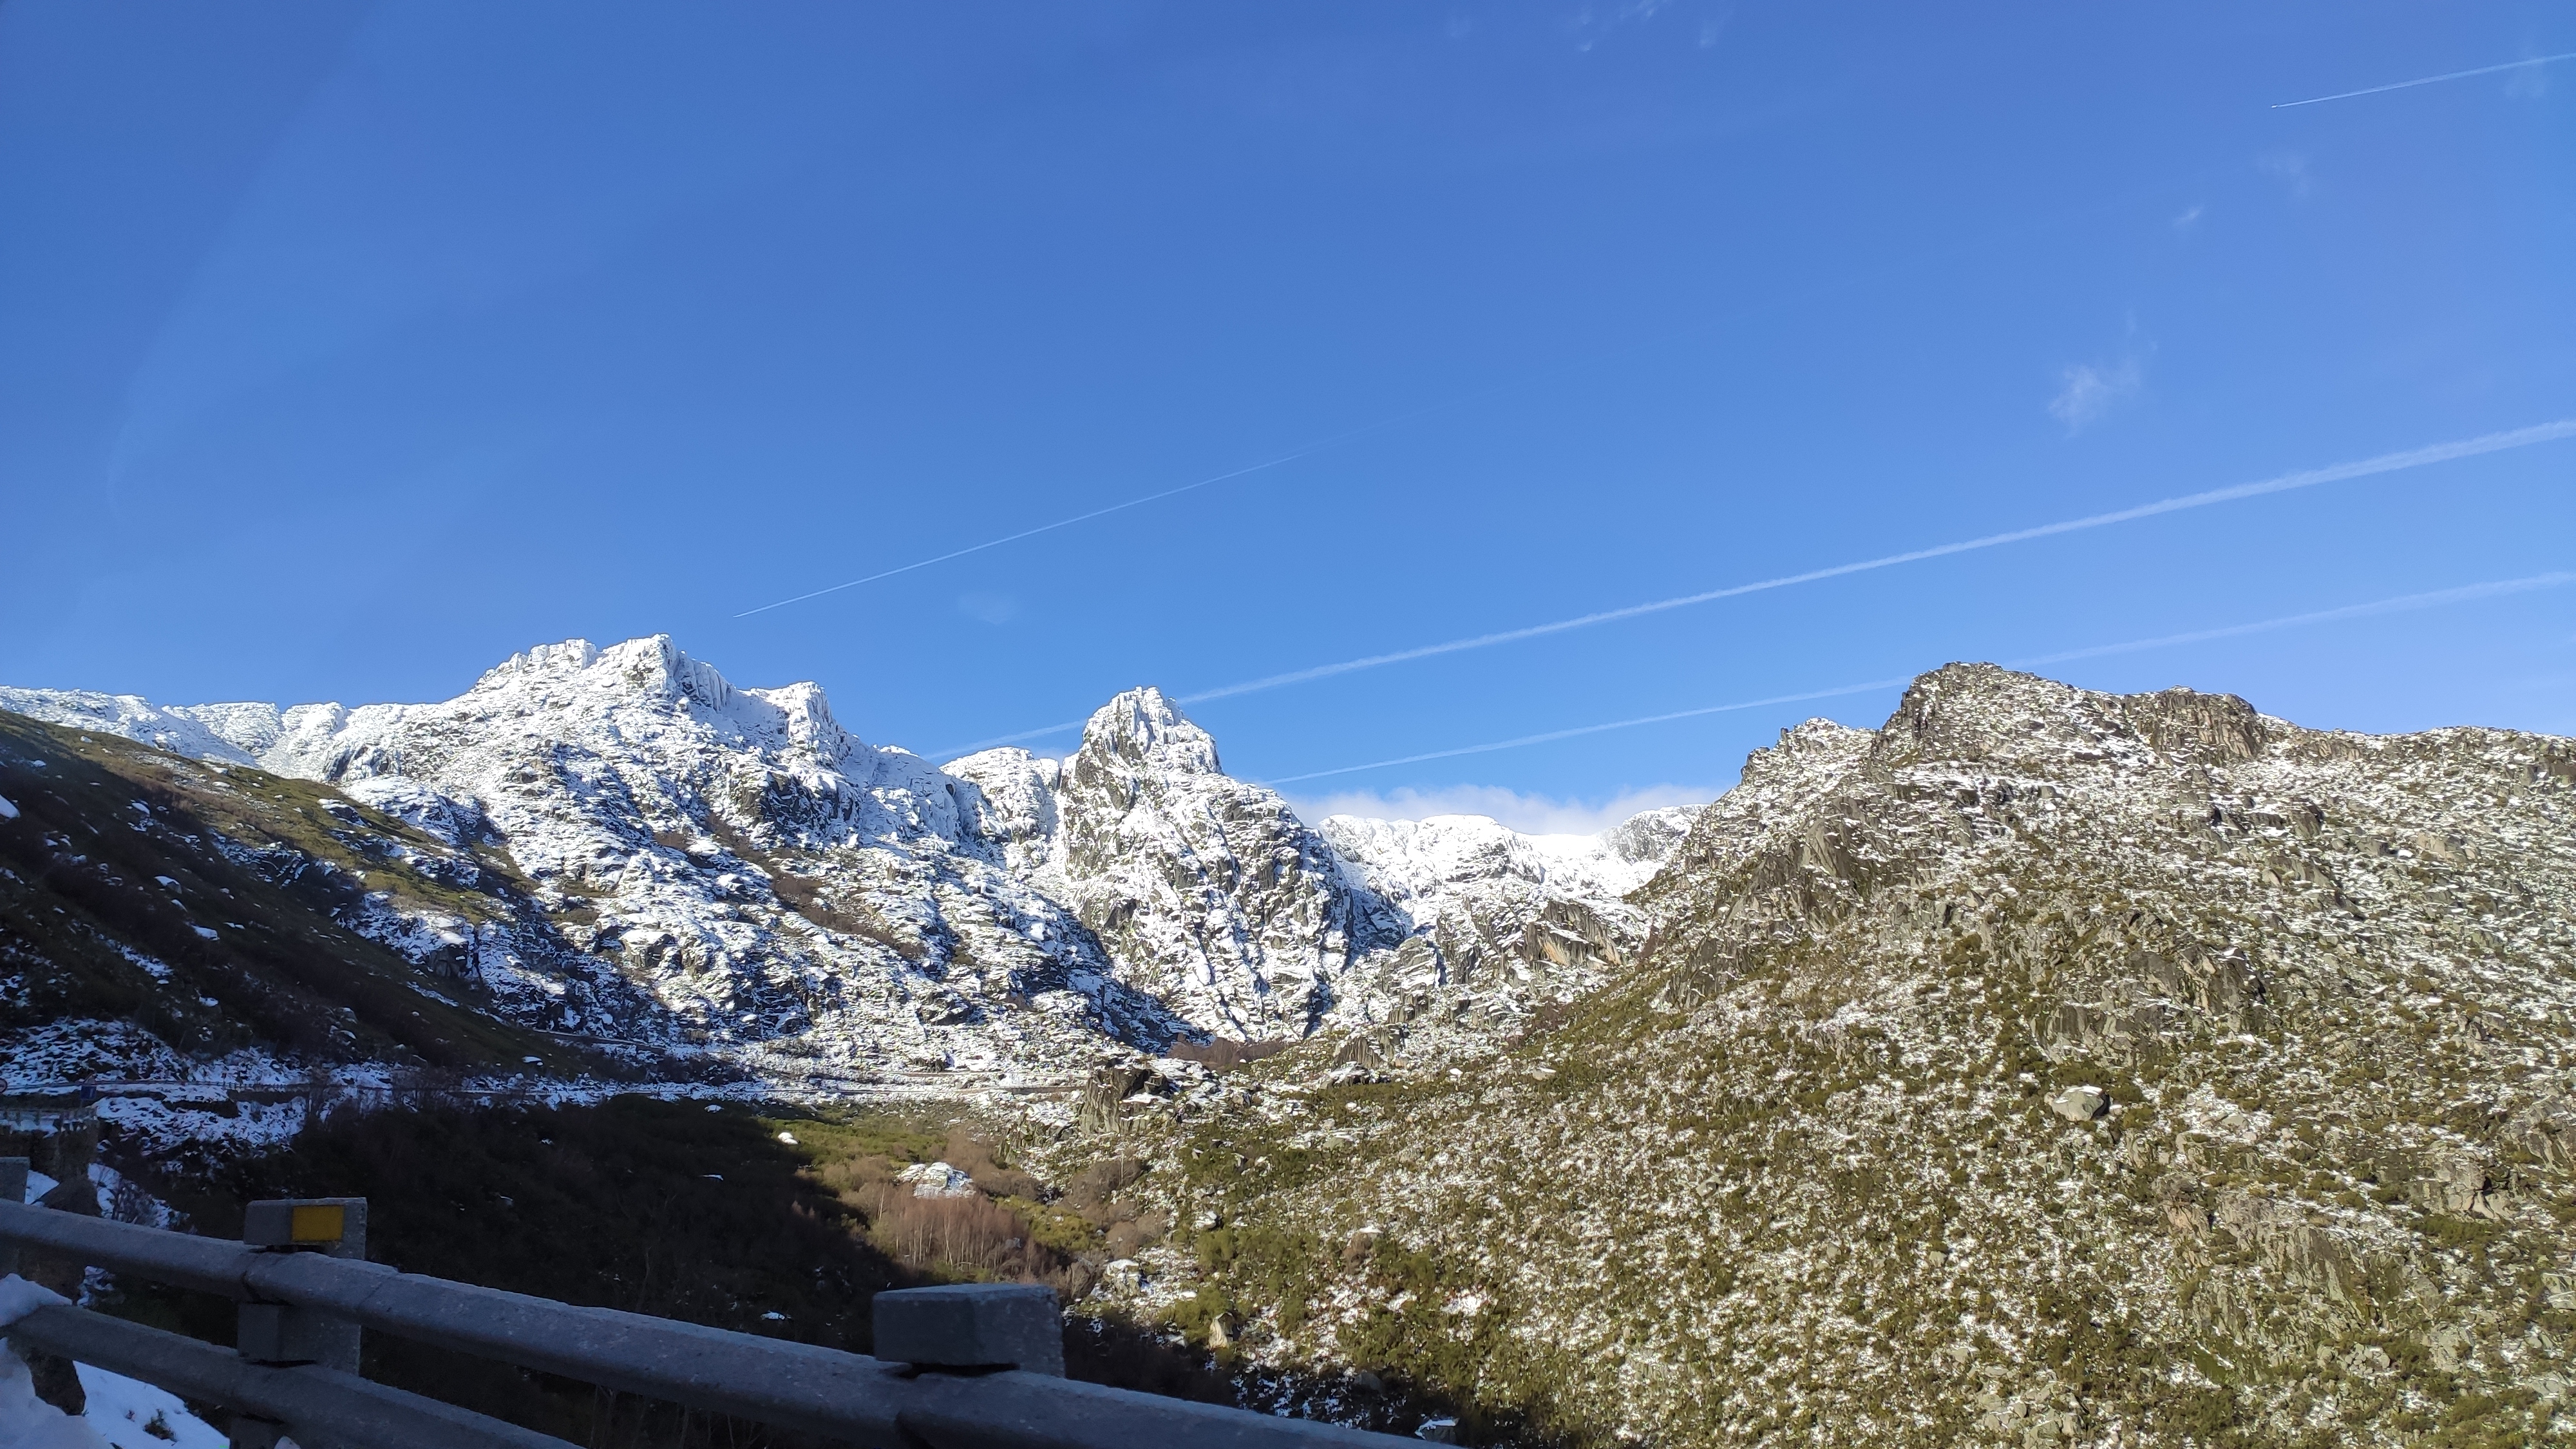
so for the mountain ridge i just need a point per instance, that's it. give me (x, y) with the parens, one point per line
(705, 870)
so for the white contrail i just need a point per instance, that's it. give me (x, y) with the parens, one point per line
(2429, 80)
(2306, 478)
(2403, 602)
(1620, 724)
(2399, 604)
(1041, 528)
(1292, 456)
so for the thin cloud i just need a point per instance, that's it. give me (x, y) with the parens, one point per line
(2287, 482)
(1529, 814)
(988, 608)
(2089, 393)
(2290, 168)
(2400, 604)
(2520, 65)
(2189, 218)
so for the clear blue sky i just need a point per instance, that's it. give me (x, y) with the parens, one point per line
(345, 350)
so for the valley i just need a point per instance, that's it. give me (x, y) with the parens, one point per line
(2040, 1067)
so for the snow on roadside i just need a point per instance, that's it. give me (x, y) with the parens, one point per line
(28, 1422)
(123, 1410)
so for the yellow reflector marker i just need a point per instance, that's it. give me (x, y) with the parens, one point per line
(318, 1223)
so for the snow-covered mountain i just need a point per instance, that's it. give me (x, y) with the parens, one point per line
(702, 867)
(1208, 891)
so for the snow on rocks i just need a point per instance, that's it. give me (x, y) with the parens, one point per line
(692, 866)
(1501, 921)
(2079, 1104)
(1207, 892)
(936, 1179)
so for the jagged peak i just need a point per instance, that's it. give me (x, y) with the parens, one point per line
(651, 665)
(569, 657)
(1142, 726)
(805, 710)
(1978, 711)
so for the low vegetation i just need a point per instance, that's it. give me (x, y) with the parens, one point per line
(707, 1213)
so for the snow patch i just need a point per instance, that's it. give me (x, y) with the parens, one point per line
(936, 1179)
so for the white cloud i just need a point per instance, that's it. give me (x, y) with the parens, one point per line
(2089, 392)
(989, 608)
(2190, 215)
(1529, 814)
(2289, 168)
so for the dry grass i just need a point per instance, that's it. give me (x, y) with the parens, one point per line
(958, 1235)
(976, 1158)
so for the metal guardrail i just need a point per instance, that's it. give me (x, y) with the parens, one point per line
(322, 1408)
(895, 1403)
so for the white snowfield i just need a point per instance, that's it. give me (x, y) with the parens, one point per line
(121, 1413)
(728, 870)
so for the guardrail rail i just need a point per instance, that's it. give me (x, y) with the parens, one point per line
(969, 1366)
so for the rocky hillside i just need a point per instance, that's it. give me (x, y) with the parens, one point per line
(2043, 1067)
(635, 853)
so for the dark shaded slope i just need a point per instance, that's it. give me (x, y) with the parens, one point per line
(210, 906)
(682, 1209)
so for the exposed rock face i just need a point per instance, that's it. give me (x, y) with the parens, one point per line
(1823, 1164)
(1209, 892)
(1430, 935)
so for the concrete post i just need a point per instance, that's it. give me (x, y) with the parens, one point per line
(273, 1333)
(13, 1188)
(972, 1326)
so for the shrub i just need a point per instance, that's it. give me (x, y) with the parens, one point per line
(968, 1235)
(976, 1158)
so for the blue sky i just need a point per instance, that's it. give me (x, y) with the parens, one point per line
(345, 350)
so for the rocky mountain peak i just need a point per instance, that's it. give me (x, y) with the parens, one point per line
(1984, 711)
(1142, 729)
(647, 670)
(1015, 803)
(2211, 728)
(543, 661)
